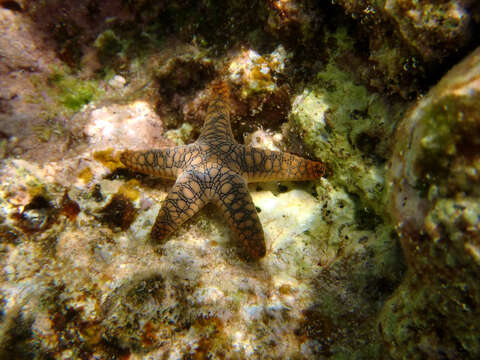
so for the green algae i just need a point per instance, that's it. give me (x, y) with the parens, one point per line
(445, 136)
(434, 313)
(65, 94)
(349, 127)
(109, 45)
(72, 92)
(329, 122)
(50, 128)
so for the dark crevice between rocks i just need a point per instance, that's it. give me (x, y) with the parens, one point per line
(11, 5)
(17, 335)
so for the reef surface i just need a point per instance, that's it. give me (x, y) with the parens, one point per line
(379, 259)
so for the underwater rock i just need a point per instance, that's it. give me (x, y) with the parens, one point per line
(349, 127)
(79, 277)
(117, 82)
(73, 26)
(411, 40)
(258, 93)
(108, 292)
(22, 47)
(254, 73)
(134, 125)
(37, 215)
(294, 19)
(436, 29)
(135, 305)
(25, 56)
(265, 139)
(434, 196)
(180, 71)
(118, 213)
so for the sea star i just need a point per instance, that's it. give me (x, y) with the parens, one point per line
(216, 169)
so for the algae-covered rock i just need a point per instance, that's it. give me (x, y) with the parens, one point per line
(349, 128)
(409, 40)
(92, 284)
(434, 194)
(294, 19)
(79, 277)
(434, 28)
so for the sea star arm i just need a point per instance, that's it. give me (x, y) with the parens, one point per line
(184, 200)
(232, 197)
(265, 165)
(217, 120)
(166, 163)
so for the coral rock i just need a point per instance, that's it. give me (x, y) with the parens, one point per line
(434, 197)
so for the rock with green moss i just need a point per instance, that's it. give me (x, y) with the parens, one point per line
(434, 197)
(349, 128)
(70, 91)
